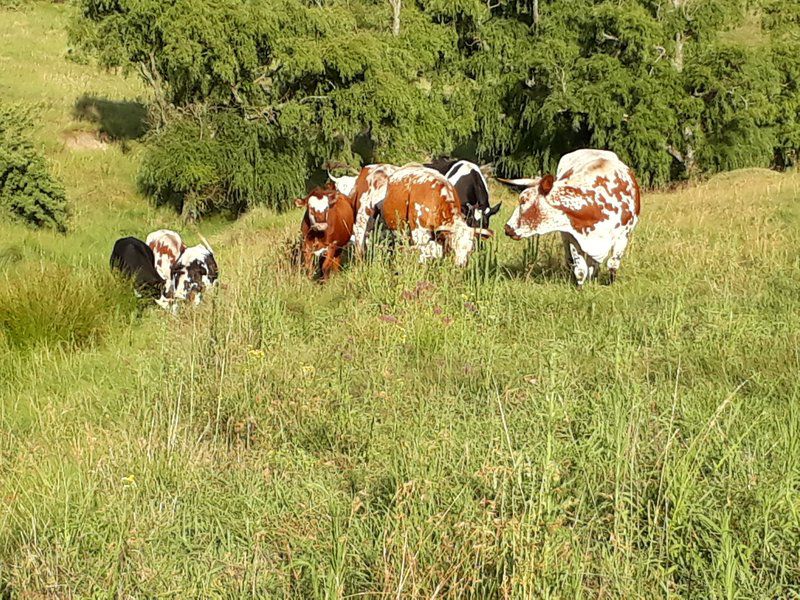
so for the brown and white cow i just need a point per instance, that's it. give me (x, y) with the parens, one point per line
(167, 246)
(593, 201)
(327, 228)
(368, 193)
(425, 202)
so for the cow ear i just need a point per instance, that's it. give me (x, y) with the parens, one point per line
(494, 209)
(546, 184)
(333, 200)
(301, 202)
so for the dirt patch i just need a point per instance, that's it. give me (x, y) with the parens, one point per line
(85, 140)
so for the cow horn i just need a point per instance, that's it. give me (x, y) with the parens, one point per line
(444, 229)
(205, 242)
(519, 184)
(483, 232)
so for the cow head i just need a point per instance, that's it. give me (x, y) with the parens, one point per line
(535, 214)
(479, 217)
(317, 204)
(193, 273)
(460, 238)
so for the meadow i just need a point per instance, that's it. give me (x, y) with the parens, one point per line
(403, 430)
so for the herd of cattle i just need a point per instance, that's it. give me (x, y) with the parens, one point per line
(593, 200)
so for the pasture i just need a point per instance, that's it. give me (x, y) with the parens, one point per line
(403, 430)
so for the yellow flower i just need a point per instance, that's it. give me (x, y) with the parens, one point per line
(308, 369)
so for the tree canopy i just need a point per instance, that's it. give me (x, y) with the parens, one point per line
(251, 96)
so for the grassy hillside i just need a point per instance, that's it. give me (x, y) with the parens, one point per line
(402, 430)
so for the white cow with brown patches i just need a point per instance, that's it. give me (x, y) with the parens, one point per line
(368, 193)
(594, 203)
(167, 246)
(425, 202)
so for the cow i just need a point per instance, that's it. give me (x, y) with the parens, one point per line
(327, 228)
(593, 201)
(167, 246)
(194, 273)
(425, 202)
(472, 189)
(134, 259)
(368, 193)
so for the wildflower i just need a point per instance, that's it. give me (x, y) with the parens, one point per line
(308, 369)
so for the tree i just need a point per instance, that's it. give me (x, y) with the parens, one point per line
(28, 191)
(252, 96)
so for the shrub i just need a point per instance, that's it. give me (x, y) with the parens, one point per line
(54, 304)
(28, 191)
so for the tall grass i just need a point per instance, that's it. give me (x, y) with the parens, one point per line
(419, 431)
(403, 430)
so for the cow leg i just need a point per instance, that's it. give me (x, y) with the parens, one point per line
(567, 242)
(332, 262)
(165, 303)
(308, 258)
(616, 257)
(580, 269)
(359, 236)
(427, 247)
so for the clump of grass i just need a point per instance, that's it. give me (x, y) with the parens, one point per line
(56, 304)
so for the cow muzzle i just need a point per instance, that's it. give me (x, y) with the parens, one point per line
(512, 233)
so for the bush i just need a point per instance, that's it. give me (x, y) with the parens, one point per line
(28, 191)
(54, 304)
(220, 164)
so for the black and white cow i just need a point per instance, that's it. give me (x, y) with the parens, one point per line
(134, 259)
(194, 273)
(472, 189)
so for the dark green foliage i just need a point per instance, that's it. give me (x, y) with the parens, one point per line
(28, 191)
(251, 97)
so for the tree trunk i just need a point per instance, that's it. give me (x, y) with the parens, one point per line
(396, 6)
(535, 13)
(678, 58)
(688, 161)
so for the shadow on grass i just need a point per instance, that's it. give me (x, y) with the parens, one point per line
(119, 120)
(538, 262)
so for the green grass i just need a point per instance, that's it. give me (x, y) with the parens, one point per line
(400, 431)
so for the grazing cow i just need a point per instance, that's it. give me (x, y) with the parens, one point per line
(167, 246)
(327, 227)
(593, 201)
(344, 184)
(424, 201)
(369, 192)
(194, 272)
(134, 259)
(472, 189)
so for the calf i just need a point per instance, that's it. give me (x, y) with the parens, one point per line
(594, 203)
(368, 193)
(471, 187)
(327, 227)
(134, 259)
(194, 273)
(424, 201)
(167, 246)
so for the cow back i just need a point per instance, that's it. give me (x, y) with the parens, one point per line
(134, 259)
